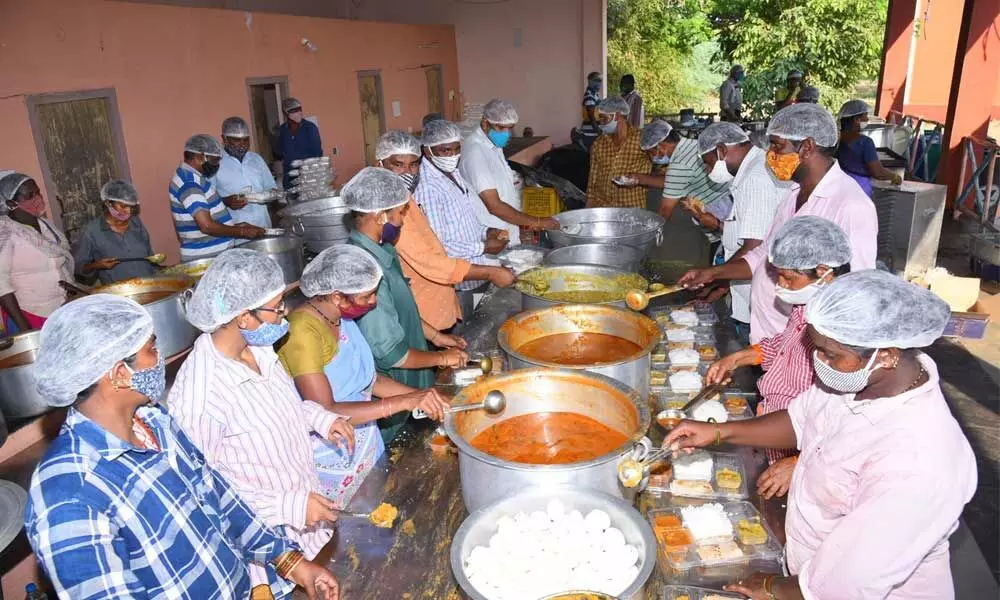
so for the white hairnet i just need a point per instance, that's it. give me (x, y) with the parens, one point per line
(235, 127)
(654, 133)
(237, 280)
(876, 309)
(202, 143)
(724, 133)
(396, 142)
(119, 190)
(809, 94)
(500, 112)
(346, 269)
(800, 121)
(853, 108)
(613, 105)
(289, 104)
(83, 339)
(441, 132)
(10, 183)
(374, 190)
(807, 242)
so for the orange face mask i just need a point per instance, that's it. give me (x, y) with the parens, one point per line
(783, 165)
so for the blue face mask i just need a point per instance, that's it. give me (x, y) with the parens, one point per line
(150, 382)
(661, 160)
(610, 127)
(741, 77)
(265, 335)
(499, 138)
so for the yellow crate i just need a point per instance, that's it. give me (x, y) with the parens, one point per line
(540, 201)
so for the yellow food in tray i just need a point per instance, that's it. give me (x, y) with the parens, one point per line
(728, 479)
(751, 532)
(708, 352)
(735, 405)
(680, 345)
(384, 516)
(684, 487)
(719, 552)
(657, 378)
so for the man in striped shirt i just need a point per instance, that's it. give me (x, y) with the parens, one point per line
(203, 223)
(447, 200)
(731, 159)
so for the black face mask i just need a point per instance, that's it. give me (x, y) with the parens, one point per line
(626, 89)
(209, 169)
(236, 152)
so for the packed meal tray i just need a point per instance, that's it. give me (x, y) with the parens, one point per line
(712, 533)
(737, 404)
(702, 474)
(687, 592)
(662, 398)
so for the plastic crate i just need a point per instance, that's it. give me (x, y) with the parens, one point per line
(540, 202)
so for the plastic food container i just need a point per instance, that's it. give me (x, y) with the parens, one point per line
(707, 350)
(709, 318)
(663, 398)
(685, 390)
(737, 404)
(677, 550)
(687, 592)
(732, 471)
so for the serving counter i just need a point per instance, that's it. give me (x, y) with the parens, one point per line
(411, 560)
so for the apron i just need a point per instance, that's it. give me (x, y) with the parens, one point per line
(350, 373)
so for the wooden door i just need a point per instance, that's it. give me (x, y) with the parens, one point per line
(435, 89)
(80, 152)
(372, 114)
(266, 94)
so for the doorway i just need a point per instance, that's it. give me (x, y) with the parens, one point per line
(266, 94)
(78, 137)
(372, 111)
(435, 90)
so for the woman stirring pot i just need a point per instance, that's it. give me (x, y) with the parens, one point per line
(34, 256)
(885, 469)
(332, 364)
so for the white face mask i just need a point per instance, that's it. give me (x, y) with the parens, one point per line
(295, 117)
(446, 163)
(799, 296)
(720, 174)
(850, 382)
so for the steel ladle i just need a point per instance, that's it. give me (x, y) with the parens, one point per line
(494, 403)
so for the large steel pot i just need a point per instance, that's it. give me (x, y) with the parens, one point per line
(584, 318)
(536, 284)
(618, 256)
(324, 222)
(285, 250)
(486, 478)
(481, 525)
(192, 268)
(161, 297)
(635, 227)
(18, 397)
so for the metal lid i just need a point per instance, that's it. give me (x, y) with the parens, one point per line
(12, 502)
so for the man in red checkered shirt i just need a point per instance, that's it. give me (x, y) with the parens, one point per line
(807, 252)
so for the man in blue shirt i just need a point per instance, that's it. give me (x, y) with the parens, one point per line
(203, 223)
(241, 172)
(297, 138)
(123, 505)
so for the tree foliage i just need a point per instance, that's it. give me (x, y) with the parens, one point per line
(836, 43)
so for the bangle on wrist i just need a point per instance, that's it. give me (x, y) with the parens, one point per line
(718, 432)
(758, 354)
(768, 585)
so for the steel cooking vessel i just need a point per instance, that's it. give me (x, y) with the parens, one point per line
(161, 297)
(618, 256)
(285, 250)
(584, 318)
(636, 227)
(324, 222)
(486, 478)
(192, 268)
(564, 278)
(18, 397)
(481, 525)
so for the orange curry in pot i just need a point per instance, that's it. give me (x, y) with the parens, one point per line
(548, 438)
(579, 348)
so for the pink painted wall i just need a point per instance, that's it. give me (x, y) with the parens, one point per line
(179, 71)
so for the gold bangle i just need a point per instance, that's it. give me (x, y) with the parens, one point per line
(284, 564)
(718, 432)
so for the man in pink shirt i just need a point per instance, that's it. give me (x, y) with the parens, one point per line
(875, 496)
(802, 139)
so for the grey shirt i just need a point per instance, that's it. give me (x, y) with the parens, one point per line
(98, 240)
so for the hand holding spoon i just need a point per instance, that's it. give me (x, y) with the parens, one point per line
(494, 403)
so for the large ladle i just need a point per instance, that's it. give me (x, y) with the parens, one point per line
(494, 403)
(638, 299)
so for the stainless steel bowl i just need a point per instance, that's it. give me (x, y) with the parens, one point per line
(477, 529)
(619, 256)
(19, 399)
(569, 278)
(635, 227)
(286, 251)
(161, 297)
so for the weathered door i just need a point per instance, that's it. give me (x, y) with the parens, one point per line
(372, 114)
(266, 95)
(435, 90)
(80, 150)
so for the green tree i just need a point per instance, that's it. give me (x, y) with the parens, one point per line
(836, 43)
(656, 41)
